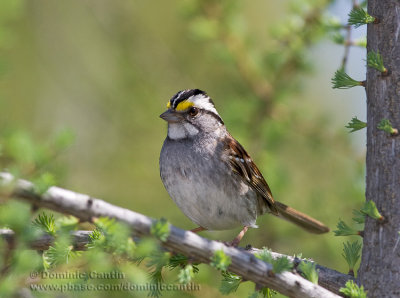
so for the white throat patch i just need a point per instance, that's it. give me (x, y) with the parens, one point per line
(177, 131)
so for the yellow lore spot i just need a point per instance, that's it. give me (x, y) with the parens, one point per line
(184, 105)
(168, 104)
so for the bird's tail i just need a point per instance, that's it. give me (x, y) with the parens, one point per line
(302, 220)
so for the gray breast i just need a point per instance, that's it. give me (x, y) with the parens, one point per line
(204, 187)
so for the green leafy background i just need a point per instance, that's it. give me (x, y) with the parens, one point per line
(104, 70)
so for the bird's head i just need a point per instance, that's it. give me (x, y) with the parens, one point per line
(190, 112)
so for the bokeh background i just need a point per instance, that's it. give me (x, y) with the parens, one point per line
(105, 70)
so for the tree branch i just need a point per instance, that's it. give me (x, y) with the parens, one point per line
(243, 263)
(79, 239)
(328, 278)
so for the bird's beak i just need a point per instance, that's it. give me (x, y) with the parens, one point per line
(171, 116)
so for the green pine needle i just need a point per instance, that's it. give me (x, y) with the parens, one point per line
(309, 271)
(361, 42)
(265, 255)
(359, 217)
(59, 253)
(279, 265)
(160, 229)
(341, 80)
(370, 209)
(267, 293)
(375, 60)
(364, 3)
(338, 38)
(44, 182)
(358, 16)
(229, 283)
(353, 291)
(155, 279)
(157, 260)
(117, 237)
(146, 247)
(356, 124)
(263, 293)
(386, 126)
(254, 294)
(104, 224)
(177, 260)
(351, 253)
(220, 260)
(96, 235)
(46, 264)
(186, 274)
(46, 223)
(67, 223)
(64, 139)
(344, 230)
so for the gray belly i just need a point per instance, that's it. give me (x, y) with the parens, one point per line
(196, 185)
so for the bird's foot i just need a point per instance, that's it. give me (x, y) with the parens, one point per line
(235, 242)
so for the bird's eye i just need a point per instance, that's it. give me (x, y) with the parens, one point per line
(193, 111)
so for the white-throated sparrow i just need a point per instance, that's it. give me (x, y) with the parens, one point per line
(210, 176)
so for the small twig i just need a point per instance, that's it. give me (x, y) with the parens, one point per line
(347, 45)
(348, 42)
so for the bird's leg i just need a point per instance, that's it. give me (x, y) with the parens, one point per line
(235, 242)
(199, 229)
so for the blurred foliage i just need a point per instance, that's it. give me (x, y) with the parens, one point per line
(352, 290)
(220, 260)
(309, 271)
(160, 229)
(230, 283)
(279, 265)
(105, 70)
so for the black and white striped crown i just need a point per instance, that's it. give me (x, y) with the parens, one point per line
(192, 97)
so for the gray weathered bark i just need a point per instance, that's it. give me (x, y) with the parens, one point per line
(380, 265)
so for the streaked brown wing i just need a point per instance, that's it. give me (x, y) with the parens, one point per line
(243, 165)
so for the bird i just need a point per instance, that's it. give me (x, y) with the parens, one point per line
(211, 177)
